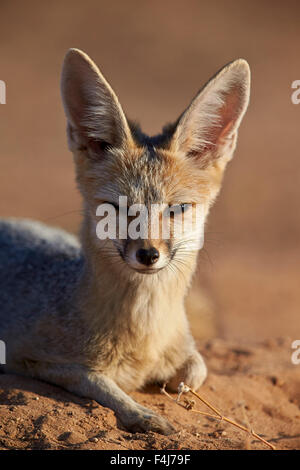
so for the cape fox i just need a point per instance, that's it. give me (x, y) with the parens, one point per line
(103, 317)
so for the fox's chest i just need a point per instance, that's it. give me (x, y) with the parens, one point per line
(156, 357)
(141, 341)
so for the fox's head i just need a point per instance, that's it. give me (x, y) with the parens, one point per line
(181, 168)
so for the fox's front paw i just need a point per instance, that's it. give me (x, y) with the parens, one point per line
(193, 373)
(146, 420)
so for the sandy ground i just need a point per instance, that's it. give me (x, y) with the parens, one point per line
(246, 292)
(257, 387)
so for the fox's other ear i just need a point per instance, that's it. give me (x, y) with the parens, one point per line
(207, 130)
(95, 117)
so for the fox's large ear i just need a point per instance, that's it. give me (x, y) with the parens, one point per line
(95, 117)
(207, 130)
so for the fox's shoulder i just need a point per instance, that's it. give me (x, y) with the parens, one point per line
(19, 237)
(39, 270)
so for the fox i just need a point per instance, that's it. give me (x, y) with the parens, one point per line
(104, 317)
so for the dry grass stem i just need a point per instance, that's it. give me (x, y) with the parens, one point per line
(189, 404)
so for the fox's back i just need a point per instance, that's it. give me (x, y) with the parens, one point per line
(39, 270)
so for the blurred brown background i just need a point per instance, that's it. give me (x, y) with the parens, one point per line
(157, 55)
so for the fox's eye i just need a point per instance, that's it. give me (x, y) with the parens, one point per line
(177, 209)
(185, 207)
(181, 208)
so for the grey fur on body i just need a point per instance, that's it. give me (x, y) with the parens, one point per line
(48, 335)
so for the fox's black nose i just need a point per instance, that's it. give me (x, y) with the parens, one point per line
(147, 257)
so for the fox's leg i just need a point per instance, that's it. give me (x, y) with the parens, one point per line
(193, 372)
(181, 362)
(106, 392)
